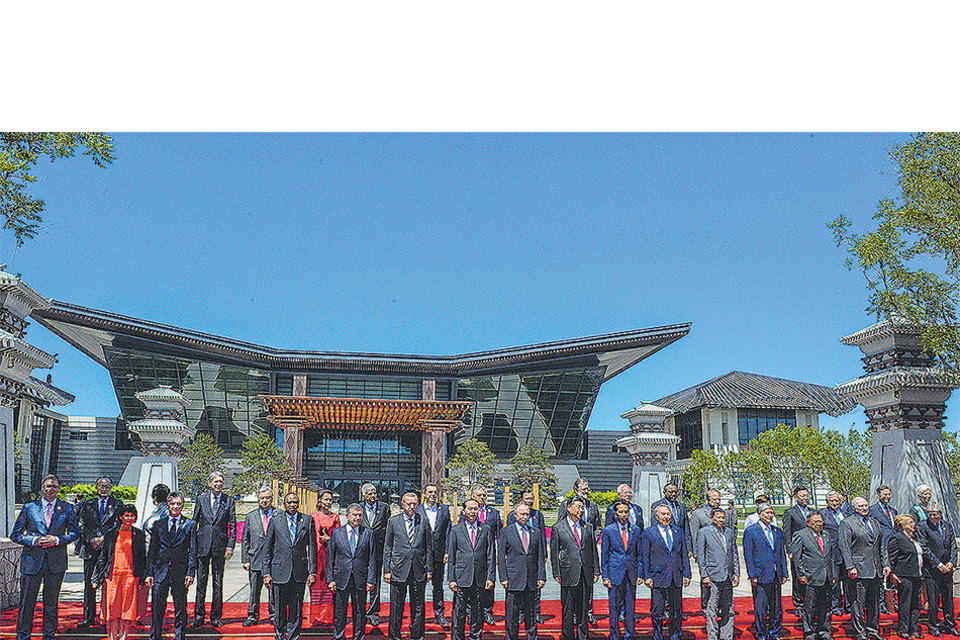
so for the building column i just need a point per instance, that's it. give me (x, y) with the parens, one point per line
(433, 460)
(649, 446)
(293, 445)
(9, 490)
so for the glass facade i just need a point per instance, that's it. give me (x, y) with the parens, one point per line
(689, 427)
(548, 408)
(383, 388)
(751, 422)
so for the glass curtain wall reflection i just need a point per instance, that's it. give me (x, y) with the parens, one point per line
(751, 422)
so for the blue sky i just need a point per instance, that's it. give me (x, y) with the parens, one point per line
(451, 243)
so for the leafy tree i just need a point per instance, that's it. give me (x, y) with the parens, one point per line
(911, 261)
(796, 455)
(702, 474)
(19, 153)
(848, 466)
(473, 464)
(953, 458)
(530, 465)
(261, 458)
(200, 458)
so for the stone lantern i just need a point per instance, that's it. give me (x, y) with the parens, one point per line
(649, 446)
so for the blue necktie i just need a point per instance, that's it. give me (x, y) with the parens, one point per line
(293, 528)
(866, 522)
(669, 539)
(103, 509)
(353, 542)
(770, 537)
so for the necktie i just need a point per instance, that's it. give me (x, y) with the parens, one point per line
(723, 540)
(483, 515)
(353, 541)
(866, 523)
(293, 528)
(173, 526)
(886, 510)
(48, 516)
(103, 509)
(473, 535)
(266, 521)
(820, 543)
(214, 503)
(410, 529)
(525, 538)
(576, 533)
(669, 538)
(623, 535)
(633, 517)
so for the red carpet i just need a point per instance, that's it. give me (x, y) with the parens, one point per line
(235, 613)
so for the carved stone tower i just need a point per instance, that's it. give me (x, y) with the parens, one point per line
(649, 447)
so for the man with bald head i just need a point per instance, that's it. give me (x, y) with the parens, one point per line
(665, 569)
(867, 564)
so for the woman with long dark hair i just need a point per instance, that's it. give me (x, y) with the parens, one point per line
(325, 520)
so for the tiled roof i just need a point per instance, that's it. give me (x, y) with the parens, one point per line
(748, 390)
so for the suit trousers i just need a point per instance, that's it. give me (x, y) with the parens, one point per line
(816, 610)
(768, 612)
(437, 580)
(343, 595)
(89, 593)
(161, 591)
(466, 600)
(662, 599)
(256, 586)
(29, 588)
(205, 565)
(517, 603)
(398, 594)
(373, 604)
(486, 600)
(799, 588)
(574, 603)
(940, 599)
(623, 597)
(865, 606)
(289, 620)
(842, 590)
(908, 606)
(719, 609)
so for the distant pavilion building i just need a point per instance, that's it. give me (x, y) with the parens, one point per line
(343, 419)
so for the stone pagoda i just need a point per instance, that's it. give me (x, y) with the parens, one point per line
(163, 434)
(903, 393)
(649, 447)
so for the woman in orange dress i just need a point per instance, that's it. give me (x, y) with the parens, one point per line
(321, 598)
(121, 567)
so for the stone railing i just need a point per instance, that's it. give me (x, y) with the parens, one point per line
(9, 574)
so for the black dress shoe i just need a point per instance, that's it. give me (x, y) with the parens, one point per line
(216, 624)
(918, 635)
(196, 623)
(85, 625)
(374, 619)
(591, 620)
(539, 619)
(442, 621)
(934, 632)
(488, 618)
(249, 622)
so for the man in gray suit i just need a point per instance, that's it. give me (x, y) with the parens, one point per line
(471, 569)
(407, 563)
(700, 518)
(290, 564)
(865, 556)
(216, 537)
(815, 570)
(715, 549)
(251, 555)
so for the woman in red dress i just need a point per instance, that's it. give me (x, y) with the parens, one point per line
(321, 598)
(121, 567)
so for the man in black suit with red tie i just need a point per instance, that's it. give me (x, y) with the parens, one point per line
(576, 566)
(471, 570)
(490, 517)
(171, 566)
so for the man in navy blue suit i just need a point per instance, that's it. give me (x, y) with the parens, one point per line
(171, 566)
(678, 512)
(620, 568)
(44, 527)
(635, 513)
(665, 568)
(438, 517)
(351, 572)
(766, 561)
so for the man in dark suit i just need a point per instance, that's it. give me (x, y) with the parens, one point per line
(939, 543)
(634, 511)
(471, 569)
(665, 569)
(521, 555)
(171, 566)
(813, 562)
(716, 553)
(766, 562)
(620, 568)
(575, 565)
(290, 565)
(407, 558)
(375, 516)
(95, 517)
(251, 555)
(592, 516)
(44, 527)
(884, 514)
(490, 517)
(216, 537)
(351, 572)
(438, 517)
(866, 561)
(537, 522)
(833, 517)
(678, 512)
(794, 520)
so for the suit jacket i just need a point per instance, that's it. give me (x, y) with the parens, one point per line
(680, 520)
(619, 563)
(172, 555)
(764, 563)
(521, 569)
(439, 532)
(831, 525)
(610, 516)
(699, 518)
(568, 559)
(403, 560)
(31, 526)
(862, 550)
(793, 521)
(591, 515)
(937, 549)
(470, 565)
(666, 567)
(90, 526)
(104, 567)
(377, 524)
(904, 559)
(344, 566)
(818, 568)
(251, 547)
(492, 520)
(286, 560)
(876, 511)
(716, 553)
(216, 532)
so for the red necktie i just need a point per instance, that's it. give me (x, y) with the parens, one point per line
(483, 516)
(623, 534)
(576, 535)
(266, 521)
(820, 542)
(473, 536)
(526, 540)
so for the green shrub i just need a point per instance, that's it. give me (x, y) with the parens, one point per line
(86, 491)
(603, 499)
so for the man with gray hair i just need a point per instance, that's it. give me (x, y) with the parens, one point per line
(216, 537)
(867, 564)
(700, 518)
(251, 554)
(375, 516)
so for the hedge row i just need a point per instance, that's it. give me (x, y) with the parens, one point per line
(85, 491)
